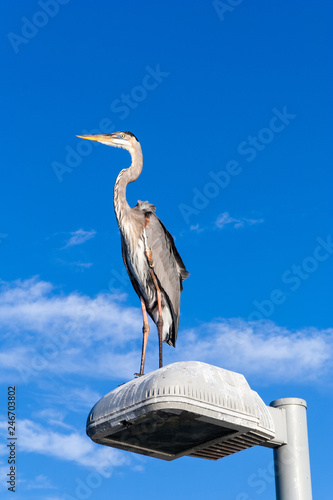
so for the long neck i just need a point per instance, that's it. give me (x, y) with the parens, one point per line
(121, 207)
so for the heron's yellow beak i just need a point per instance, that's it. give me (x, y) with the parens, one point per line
(107, 139)
(95, 137)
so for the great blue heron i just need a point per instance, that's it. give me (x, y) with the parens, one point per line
(152, 261)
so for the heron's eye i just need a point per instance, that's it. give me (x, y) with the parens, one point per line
(122, 136)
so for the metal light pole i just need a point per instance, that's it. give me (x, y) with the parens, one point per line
(291, 460)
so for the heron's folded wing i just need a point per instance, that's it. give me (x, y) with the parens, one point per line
(168, 265)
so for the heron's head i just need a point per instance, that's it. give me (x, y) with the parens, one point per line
(125, 140)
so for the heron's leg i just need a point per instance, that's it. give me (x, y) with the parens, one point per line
(160, 318)
(159, 305)
(145, 331)
(160, 327)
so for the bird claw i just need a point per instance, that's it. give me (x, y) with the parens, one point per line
(138, 375)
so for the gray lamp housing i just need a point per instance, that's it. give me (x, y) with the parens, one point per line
(186, 408)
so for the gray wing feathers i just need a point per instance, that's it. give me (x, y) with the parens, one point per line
(168, 267)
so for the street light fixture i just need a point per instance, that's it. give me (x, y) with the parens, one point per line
(199, 410)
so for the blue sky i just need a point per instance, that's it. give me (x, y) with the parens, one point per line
(231, 104)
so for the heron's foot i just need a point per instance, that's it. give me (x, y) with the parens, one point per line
(138, 375)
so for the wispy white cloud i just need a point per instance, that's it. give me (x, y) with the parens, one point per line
(40, 482)
(54, 498)
(44, 330)
(53, 417)
(65, 400)
(261, 349)
(84, 265)
(3, 474)
(79, 237)
(225, 219)
(138, 468)
(196, 228)
(77, 265)
(37, 306)
(71, 446)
